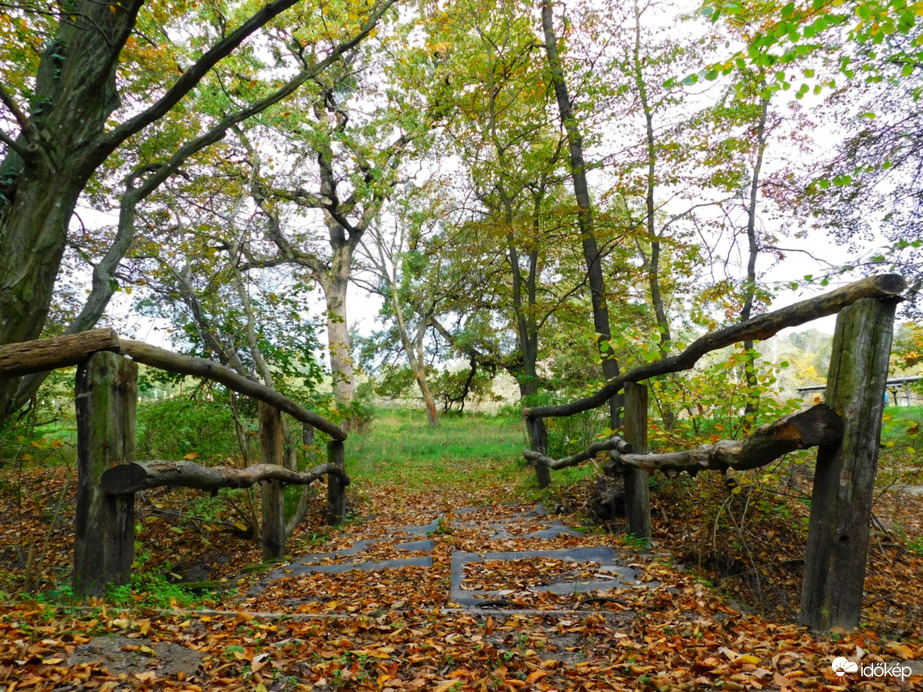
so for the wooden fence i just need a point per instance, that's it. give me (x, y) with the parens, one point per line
(846, 430)
(108, 475)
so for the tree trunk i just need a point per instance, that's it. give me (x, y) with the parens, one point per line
(339, 343)
(652, 263)
(753, 250)
(74, 95)
(591, 253)
(844, 481)
(106, 398)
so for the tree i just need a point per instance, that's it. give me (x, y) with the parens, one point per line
(396, 259)
(57, 131)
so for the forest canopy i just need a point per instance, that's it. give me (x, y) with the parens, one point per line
(541, 190)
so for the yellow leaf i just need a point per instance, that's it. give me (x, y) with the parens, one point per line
(191, 455)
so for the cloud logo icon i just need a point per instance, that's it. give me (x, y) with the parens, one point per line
(841, 666)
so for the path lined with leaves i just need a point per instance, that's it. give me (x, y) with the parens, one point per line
(435, 591)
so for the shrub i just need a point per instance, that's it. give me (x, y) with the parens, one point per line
(174, 428)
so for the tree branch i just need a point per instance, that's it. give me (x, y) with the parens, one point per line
(763, 326)
(7, 100)
(193, 75)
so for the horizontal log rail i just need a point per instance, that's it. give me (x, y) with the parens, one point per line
(209, 369)
(28, 357)
(758, 328)
(614, 443)
(819, 425)
(142, 475)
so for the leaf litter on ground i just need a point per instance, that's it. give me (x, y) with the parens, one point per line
(397, 629)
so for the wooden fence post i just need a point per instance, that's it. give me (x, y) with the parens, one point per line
(272, 492)
(844, 481)
(538, 438)
(637, 491)
(106, 401)
(336, 490)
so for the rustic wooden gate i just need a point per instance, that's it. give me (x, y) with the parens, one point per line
(108, 475)
(846, 430)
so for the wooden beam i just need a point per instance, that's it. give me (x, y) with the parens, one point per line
(141, 475)
(27, 357)
(538, 438)
(844, 479)
(613, 443)
(336, 490)
(637, 491)
(818, 425)
(760, 327)
(272, 493)
(106, 397)
(201, 367)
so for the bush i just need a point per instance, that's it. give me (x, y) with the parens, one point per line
(174, 428)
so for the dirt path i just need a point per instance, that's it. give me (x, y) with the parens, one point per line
(476, 598)
(432, 591)
(506, 557)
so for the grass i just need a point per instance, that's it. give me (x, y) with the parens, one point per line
(468, 449)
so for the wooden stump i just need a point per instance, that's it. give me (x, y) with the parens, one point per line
(637, 491)
(272, 492)
(841, 504)
(538, 437)
(106, 400)
(336, 488)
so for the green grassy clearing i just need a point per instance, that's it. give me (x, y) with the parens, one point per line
(400, 446)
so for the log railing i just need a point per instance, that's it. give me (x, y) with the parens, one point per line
(846, 431)
(108, 475)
